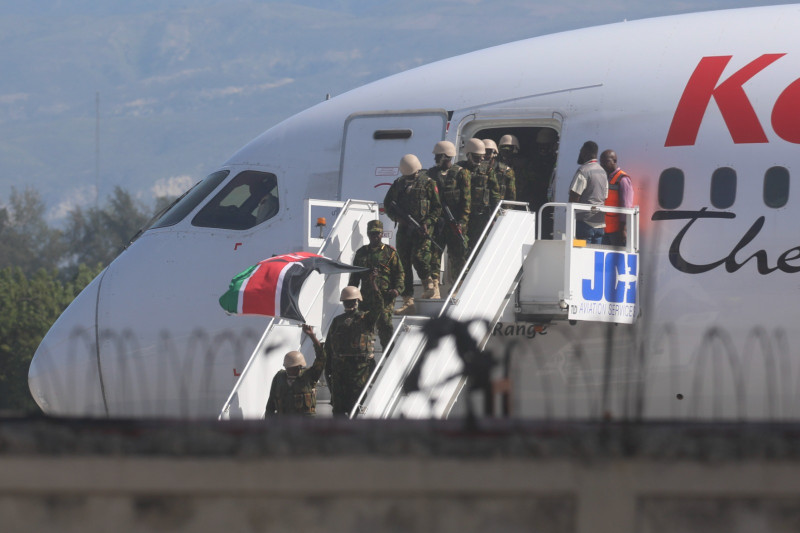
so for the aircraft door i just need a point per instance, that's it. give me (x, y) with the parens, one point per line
(375, 142)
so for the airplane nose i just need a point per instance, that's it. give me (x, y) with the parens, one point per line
(64, 376)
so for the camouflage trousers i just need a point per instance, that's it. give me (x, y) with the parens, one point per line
(457, 254)
(349, 374)
(477, 223)
(414, 250)
(385, 310)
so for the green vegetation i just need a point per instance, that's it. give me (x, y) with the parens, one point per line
(42, 269)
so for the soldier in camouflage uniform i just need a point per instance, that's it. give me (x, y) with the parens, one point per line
(542, 170)
(506, 180)
(294, 389)
(484, 188)
(414, 195)
(453, 182)
(385, 262)
(523, 172)
(349, 348)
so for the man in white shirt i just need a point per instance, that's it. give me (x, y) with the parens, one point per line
(589, 186)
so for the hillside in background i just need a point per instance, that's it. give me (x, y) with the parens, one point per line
(182, 85)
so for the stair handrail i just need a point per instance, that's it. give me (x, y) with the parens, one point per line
(503, 205)
(273, 321)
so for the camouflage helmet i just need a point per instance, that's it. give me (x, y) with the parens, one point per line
(350, 293)
(409, 165)
(490, 145)
(509, 140)
(546, 136)
(374, 226)
(445, 147)
(293, 358)
(475, 146)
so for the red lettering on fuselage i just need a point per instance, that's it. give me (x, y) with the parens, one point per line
(732, 101)
(786, 112)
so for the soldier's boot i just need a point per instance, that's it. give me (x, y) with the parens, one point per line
(429, 290)
(436, 294)
(408, 307)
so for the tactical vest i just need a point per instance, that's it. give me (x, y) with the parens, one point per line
(449, 192)
(413, 196)
(379, 258)
(501, 171)
(437, 175)
(351, 336)
(298, 398)
(613, 220)
(480, 188)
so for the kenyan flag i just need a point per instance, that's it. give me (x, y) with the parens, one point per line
(272, 287)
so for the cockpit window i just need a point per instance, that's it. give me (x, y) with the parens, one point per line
(776, 187)
(249, 199)
(723, 187)
(191, 199)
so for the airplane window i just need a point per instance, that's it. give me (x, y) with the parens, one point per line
(249, 199)
(723, 187)
(670, 188)
(191, 199)
(776, 187)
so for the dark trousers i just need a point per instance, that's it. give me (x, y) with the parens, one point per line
(591, 234)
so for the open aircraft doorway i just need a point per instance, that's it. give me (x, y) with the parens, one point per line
(534, 160)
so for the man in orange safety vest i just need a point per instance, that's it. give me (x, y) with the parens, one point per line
(620, 194)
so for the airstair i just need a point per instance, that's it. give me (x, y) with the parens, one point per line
(318, 302)
(543, 279)
(546, 279)
(482, 294)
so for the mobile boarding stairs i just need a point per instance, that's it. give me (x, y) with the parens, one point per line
(545, 280)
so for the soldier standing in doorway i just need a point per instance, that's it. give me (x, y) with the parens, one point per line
(506, 180)
(484, 189)
(542, 166)
(413, 203)
(453, 182)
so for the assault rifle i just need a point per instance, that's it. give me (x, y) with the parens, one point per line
(412, 222)
(454, 224)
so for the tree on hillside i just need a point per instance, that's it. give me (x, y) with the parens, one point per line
(26, 240)
(98, 234)
(28, 307)
(42, 270)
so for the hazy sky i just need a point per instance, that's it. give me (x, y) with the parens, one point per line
(183, 84)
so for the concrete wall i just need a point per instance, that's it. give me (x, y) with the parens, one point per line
(331, 475)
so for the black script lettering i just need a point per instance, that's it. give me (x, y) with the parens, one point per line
(761, 255)
(675, 256)
(789, 255)
(730, 262)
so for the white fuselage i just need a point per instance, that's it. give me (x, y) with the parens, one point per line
(720, 342)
